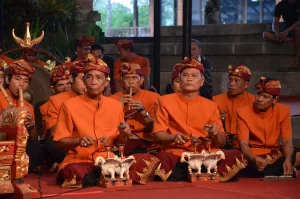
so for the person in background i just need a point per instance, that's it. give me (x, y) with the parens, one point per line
(196, 53)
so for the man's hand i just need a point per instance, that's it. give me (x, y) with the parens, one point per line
(212, 129)
(29, 123)
(180, 139)
(125, 99)
(124, 128)
(260, 163)
(223, 115)
(135, 104)
(287, 167)
(85, 141)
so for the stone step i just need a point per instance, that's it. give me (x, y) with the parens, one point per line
(218, 33)
(252, 48)
(258, 56)
(296, 130)
(288, 80)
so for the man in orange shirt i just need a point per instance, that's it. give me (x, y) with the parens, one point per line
(19, 76)
(236, 97)
(82, 122)
(134, 98)
(260, 127)
(127, 54)
(60, 82)
(183, 115)
(77, 88)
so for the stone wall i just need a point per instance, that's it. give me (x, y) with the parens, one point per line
(233, 44)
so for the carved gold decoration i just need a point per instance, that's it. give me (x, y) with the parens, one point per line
(14, 117)
(27, 42)
(147, 171)
(5, 173)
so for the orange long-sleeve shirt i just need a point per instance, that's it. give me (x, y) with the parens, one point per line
(149, 100)
(82, 116)
(177, 114)
(263, 129)
(230, 105)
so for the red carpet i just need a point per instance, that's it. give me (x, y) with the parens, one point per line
(244, 188)
(293, 102)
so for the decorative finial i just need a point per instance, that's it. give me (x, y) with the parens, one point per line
(27, 42)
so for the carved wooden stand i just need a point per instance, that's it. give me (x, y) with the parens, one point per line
(114, 183)
(13, 158)
(203, 177)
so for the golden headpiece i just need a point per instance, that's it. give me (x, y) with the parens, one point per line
(27, 42)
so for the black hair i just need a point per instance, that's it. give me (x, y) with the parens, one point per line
(197, 42)
(97, 47)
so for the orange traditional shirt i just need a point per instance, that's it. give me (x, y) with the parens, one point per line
(263, 129)
(54, 105)
(43, 110)
(136, 122)
(177, 114)
(230, 105)
(82, 116)
(142, 61)
(4, 103)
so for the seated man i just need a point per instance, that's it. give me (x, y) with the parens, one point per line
(236, 97)
(134, 98)
(260, 127)
(127, 54)
(76, 130)
(55, 102)
(19, 76)
(175, 83)
(289, 11)
(183, 115)
(60, 82)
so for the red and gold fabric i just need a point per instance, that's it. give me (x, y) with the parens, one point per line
(130, 68)
(268, 85)
(124, 43)
(240, 71)
(176, 72)
(189, 63)
(228, 168)
(94, 63)
(84, 41)
(59, 73)
(21, 67)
